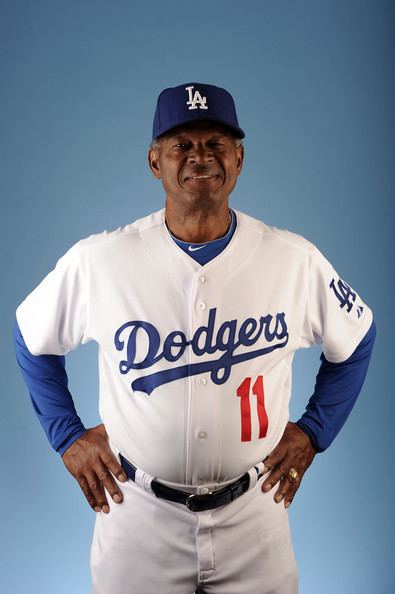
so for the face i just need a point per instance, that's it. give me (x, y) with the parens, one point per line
(198, 165)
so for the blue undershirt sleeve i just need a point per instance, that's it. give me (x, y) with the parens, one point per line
(47, 382)
(336, 390)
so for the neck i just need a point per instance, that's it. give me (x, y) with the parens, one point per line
(198, 226)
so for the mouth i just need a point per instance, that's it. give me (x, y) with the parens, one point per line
(200, 177)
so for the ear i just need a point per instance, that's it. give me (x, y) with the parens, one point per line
(153, 161)
(240, 159)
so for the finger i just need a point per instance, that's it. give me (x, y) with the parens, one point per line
(96, 488)
(275, 457)
(290, 460)
(281, 491)
(286, 490)
(289, 495)
(274, 477)
(109, 483)
(287, 501)
(274, 463)
(89, 496)
(110, 461)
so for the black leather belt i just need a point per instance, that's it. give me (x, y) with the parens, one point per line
(194, 502)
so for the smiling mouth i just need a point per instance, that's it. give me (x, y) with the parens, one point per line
(200, 177)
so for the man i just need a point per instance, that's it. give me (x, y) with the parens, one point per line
(198, 310)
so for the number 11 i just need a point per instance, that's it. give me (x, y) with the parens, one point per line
(243, 391)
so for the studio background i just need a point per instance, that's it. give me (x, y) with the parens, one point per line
(313, 83)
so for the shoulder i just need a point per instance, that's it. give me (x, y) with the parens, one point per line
(283, 238)
(116, 239)
(127, 232)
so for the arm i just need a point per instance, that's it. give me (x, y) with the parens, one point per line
(336, 390)
(86, 453)
(46, 379)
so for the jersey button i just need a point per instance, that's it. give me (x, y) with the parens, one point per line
(202, 279)
(202, 435)
(203, 381)
(202, 305)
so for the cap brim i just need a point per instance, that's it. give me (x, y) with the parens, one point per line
(238, 132)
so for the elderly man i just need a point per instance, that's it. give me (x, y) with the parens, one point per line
(198, 310)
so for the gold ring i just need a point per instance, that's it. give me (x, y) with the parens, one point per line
(293, 474)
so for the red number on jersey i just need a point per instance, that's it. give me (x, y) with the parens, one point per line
(243, 391)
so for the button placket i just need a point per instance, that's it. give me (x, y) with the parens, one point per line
(201, 303)
(202, 456)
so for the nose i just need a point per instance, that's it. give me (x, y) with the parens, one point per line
(200, 154)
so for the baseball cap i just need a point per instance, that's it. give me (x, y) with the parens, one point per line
(191, 102)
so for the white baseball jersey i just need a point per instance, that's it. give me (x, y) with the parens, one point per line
(194, 361)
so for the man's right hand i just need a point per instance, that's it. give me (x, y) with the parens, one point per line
(92, 463)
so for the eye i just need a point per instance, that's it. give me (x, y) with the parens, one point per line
(182, 145)
(217, 145)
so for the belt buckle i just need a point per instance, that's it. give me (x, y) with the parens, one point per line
(191, 502)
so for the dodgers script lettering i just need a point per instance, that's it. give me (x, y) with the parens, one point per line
(271, 330)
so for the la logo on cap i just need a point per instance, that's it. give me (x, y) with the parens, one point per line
(197, 101)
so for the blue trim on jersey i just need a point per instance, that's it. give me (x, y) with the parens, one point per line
(336, 390)
(46, 379)
(204, 252)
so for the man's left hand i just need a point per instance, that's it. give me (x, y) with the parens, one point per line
(294, 452)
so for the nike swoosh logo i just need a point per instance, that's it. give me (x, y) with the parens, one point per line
(193, 249)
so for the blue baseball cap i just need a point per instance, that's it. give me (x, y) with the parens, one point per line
(191, 102)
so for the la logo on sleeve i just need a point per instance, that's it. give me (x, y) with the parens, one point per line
(344, 293)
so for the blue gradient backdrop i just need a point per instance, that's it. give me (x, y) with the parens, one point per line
(314, 85)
